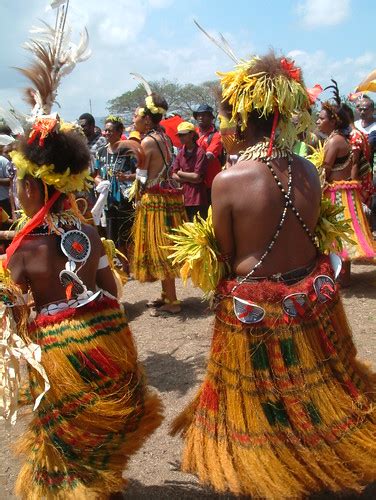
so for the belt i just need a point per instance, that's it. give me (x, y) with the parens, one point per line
(288, 278)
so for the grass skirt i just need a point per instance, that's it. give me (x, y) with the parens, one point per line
(157, 213)
(285, 408)
(98, 411)
(347, 194)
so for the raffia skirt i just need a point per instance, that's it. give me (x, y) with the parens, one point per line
(98, 411)
(285, 408)
(347, 194)
(158, 212)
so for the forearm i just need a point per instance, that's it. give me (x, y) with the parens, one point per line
(189, 177)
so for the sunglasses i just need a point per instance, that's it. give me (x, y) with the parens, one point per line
(362, 109)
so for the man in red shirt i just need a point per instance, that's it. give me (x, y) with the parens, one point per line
(210, 140)
(189, 169)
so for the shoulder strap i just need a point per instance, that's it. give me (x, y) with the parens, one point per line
(288, 205)
(166, 164)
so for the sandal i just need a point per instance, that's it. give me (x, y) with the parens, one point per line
(157, 302)
(164, 310)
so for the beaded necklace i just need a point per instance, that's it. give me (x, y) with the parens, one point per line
(288, 204)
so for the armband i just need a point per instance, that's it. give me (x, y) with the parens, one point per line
(103, 262)
(141, 175)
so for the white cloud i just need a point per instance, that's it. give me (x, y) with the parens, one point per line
(317, 13)
(319, 67)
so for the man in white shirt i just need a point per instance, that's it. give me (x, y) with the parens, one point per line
(366, 107)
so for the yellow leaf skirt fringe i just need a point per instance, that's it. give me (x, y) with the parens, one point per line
(98, 411)
(285, 408)
(157, 213)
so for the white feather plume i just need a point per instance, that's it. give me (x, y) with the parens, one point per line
(143, 82)
(55, 56)
(221, 44)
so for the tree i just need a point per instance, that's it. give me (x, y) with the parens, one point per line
(182, 99)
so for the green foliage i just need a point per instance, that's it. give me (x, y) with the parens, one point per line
(181, 98)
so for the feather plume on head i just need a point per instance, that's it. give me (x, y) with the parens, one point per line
(54, 57)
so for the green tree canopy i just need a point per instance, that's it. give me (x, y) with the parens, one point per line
(181, 98)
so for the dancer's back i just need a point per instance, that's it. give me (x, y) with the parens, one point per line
(248, 205)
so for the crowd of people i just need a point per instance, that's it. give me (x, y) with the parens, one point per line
(285, 408)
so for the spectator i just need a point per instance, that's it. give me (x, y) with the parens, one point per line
(95, 139)
(210, 140)
(189, 169)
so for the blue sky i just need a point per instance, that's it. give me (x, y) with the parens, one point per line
(157, 38)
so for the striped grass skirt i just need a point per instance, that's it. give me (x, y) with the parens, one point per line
(285, 408)
(98, 411)
(347, 194)
(156, 214)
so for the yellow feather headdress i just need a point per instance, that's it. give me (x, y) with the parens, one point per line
(268, 85)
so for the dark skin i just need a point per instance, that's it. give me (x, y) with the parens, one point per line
(154, 164)
(336, 147)
(88, 128)
(247, 205)
(39, 260)
(366, 108)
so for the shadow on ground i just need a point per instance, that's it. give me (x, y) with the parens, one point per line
(363, 285)
(186, 490)
(166, 373)
(135, 310)
(194, 307)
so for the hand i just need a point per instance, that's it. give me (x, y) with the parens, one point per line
(122, 176)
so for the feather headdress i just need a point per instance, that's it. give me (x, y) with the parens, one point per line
(336, 95)
(55, 56)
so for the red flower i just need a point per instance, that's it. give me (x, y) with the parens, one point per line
(292, 70)
(42, 127)
(313, 93)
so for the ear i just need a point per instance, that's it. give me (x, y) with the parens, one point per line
(148, 121)
(28, 188)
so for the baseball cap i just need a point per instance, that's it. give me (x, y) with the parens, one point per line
(185, 128)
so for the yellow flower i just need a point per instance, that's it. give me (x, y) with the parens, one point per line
(64, 182)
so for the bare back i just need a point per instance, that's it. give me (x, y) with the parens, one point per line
(39, 260)
(247, 207)
(157, 153)
(338, 162)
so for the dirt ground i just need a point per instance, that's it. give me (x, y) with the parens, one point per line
(173, 351)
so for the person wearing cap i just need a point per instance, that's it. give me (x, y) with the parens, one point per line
(210, 140)
(189, 169)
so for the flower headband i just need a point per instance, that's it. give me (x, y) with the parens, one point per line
(64, 182)
(113, 118)
(154, 110)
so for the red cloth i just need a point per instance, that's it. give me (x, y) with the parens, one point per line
(171, 127)
(194, 161)
(215, 147)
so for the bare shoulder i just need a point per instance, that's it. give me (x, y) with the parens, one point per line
(91, 232)
(148, 142)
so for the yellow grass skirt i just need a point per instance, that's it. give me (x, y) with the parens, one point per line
(156, 214)
(285, 408)
(98, 411)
